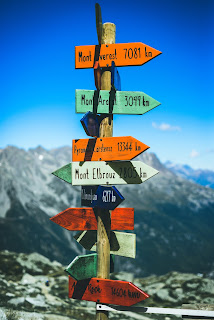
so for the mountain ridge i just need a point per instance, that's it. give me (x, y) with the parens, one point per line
(173, 216)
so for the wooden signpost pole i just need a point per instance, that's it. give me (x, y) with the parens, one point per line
(104, 219)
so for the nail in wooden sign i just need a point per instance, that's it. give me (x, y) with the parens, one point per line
(123, 54)
(107, 149)
(121, 243)
(101, 172)
(102, 197)
(119, 102)
(122, 293)
(80, 219)
(83, 267)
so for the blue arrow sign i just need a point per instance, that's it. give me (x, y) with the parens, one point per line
(99, 196)
(91, 124)
(115, 77)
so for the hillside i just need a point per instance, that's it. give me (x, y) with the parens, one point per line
(174, 218)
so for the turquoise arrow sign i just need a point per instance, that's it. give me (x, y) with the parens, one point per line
(105, 173)
(119, 102)
(84, 267)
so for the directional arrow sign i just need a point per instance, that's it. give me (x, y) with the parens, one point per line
(119, 102)
(122, 293)
(77, 219)
(107, 149)
(100, 172)
(123, 54)
(83, 267)
(121, 243)
(103, 197)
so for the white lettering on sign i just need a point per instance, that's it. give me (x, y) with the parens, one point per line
(88, 196)
(108, 196)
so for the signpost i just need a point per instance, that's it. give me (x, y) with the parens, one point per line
(121, 243)
(101, 197)
(123, 54)
(122, 102)
(83, 267)
(122, 293)
(105, 161)
(107, 149)
(78, 219)
(94, 172)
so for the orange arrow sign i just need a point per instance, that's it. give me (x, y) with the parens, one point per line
(107, 149)
(123, 54)
(74, 219)
(122, 293)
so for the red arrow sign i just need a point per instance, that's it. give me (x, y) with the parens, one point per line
(78, 219)
(117, 292)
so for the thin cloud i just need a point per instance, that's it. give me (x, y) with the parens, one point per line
(194, 154)
(165, 127)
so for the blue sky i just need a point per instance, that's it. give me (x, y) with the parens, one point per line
(38, 78)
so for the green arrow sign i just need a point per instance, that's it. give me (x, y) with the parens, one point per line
(121, 243)
(84, 267)
(120, 102)
(105, 173)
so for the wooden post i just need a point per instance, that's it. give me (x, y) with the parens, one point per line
(104, 219)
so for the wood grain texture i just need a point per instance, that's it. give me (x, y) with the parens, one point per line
(123, 54)
(120, 102)
(80, 219)
(117, 292)
(107, 149)
(103, 215)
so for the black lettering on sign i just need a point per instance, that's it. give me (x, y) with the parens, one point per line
(132, 53)
(93, 289)
(119, 292)
(84, 58)
(80, 56)
(124, 146)
(148, 54)
(133, 295)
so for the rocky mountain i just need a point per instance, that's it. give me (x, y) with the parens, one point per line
(34, 288)
(203, 177)
(174, 218)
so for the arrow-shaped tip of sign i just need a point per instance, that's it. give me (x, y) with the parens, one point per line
(64, 173)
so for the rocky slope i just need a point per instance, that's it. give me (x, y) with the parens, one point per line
(174, 218)
(25, 295)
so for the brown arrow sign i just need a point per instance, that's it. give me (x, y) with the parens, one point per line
(80, 219)
(107, 149)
